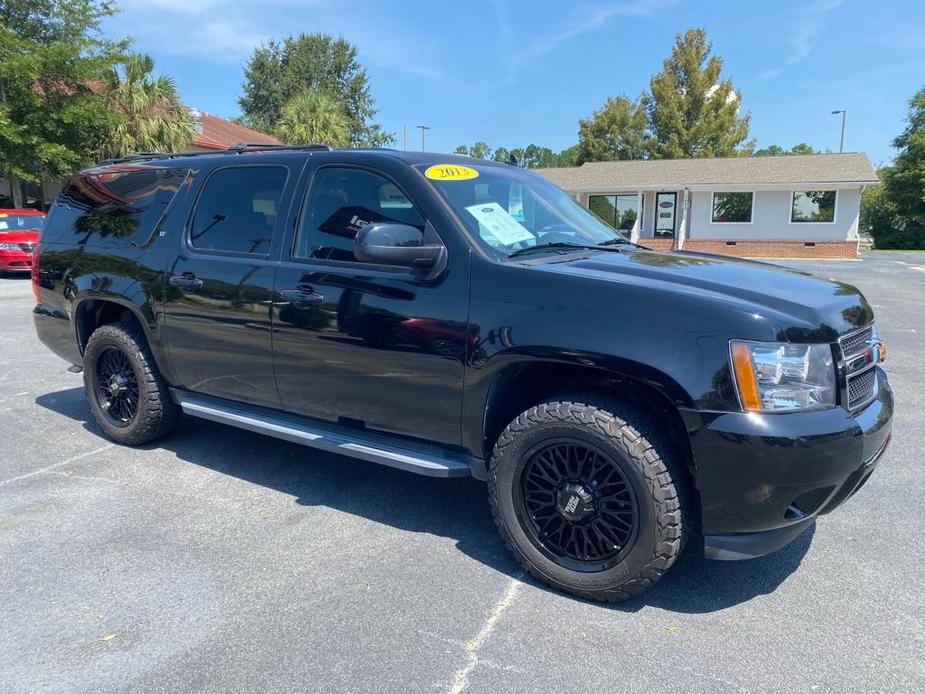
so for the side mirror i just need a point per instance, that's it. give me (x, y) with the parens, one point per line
(389, 243)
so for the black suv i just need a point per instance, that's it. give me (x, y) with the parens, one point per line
(457, 317)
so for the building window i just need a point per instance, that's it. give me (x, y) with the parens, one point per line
(730, 208)
(813, 206)
(616, 211)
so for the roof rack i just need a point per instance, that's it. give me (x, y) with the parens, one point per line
(238, 148)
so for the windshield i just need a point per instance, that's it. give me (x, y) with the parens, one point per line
(509, 209)
(20, 222)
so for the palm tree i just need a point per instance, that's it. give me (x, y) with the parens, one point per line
(314, 116)
(147, 113)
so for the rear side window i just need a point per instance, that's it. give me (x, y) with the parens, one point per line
(114, 207)
(237, 209)
(341, 201)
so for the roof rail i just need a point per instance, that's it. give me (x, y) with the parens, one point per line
(238, 148)
(252, 146)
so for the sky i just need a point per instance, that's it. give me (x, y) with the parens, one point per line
(515, 72)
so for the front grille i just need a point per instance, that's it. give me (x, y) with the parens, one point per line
(860, 351)
(857, 342)
(861, 388)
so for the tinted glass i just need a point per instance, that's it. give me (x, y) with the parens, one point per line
(340, 201)
(118, 206)
(237, 209)
(732, 207)
(813, 206)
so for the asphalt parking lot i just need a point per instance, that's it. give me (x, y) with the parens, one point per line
(224, 561)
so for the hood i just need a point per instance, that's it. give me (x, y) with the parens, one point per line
(818, 309)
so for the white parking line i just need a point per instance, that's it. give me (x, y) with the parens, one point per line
(70, 460)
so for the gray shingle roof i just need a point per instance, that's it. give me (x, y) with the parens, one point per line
(850, 167)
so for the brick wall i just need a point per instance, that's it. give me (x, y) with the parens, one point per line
(762, 248)
(770, 248)
(658, 244)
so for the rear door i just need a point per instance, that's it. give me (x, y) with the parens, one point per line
(372, 346)
(217, 308)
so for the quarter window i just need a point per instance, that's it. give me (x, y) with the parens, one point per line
(119, 207)
(731, 208)
(339, 203)
(237, 209)
(813, 206)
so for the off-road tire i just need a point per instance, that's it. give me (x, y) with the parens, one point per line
(651, 464)
(156, 414)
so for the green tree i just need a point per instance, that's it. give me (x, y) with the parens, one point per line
(481, 150)
(278, 72)
(313, 116)
(778, 151)
(148, 114)
(53, 60)
(502, 154)
(692, 111)
(462, 149)
(616, 131)
(904, 182)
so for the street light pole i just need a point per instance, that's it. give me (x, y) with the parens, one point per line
(423, 128)
(841, 143)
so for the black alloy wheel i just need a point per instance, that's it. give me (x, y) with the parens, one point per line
(576, 505)
(117, 387)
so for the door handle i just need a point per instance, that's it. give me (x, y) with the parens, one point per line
(304, 296)
(185, 281)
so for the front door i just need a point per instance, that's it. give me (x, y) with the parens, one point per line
(665, 214)
(366, 345)
(217, 307)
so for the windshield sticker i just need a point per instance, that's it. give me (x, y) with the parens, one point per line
(450, 172)
(515, 205)
(497, 224)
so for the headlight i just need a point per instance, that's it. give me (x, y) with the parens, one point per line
(773, 376)
(9, 246)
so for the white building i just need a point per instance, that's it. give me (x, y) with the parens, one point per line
(786, 206)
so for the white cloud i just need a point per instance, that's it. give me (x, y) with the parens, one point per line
(582, 21)
(808, 22)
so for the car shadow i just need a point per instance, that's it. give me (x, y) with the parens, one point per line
(455, 508)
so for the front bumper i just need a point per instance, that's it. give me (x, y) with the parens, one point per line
(15, 261)
(764, 478)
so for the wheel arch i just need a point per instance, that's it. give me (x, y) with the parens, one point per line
(523, 384)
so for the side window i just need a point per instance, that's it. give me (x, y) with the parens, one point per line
(237, 209)
(119, 206)
(341, 201)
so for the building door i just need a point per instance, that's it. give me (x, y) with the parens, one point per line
(666, 205)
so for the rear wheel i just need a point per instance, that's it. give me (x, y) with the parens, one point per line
(127, 394)
(585, 500)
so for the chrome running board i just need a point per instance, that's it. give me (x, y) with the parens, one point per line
(356, 443)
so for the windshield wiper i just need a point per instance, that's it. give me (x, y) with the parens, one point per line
(618, 241)
(552, 245)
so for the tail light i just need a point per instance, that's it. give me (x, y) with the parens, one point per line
(36, 251)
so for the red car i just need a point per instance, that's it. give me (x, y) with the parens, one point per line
(19, 233)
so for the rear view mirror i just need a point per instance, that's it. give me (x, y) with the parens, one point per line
(388, 243)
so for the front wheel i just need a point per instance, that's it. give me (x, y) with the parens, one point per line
(585, 501)
(127, 394)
